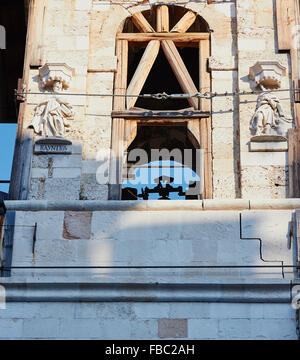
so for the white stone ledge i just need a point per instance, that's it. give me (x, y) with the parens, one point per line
(275, 204)
(234, 204)
(152, 205)
(267, 292)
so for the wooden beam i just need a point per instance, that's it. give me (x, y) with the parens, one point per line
(162, 18)
(117, 138)
(292, 161)
(138, 80)
(285, 15)
(297, 238)
(163, 122)
(160, 114)
(205, 125)
(287, 21)
(177, 37)
(185, 22)
(121, 75)
(194, 127)
(180, 71)
(141, 23)
(204, 75)
(130, 132)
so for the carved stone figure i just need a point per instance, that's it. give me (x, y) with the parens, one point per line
(52, 116)
(269, 118)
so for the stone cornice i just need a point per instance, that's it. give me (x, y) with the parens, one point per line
(153, 205)
(253, 292)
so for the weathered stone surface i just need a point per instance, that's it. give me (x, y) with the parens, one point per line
(273, 229)
(90, 189)
(204, 320)
(71, 188)
(221, 64)
(172, 328)
(77, 225)
(268, 182)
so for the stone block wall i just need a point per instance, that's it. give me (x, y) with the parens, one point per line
(56, 176)
(134, 302)
(154, 320)
(159, 238)
(263, 174)
(82, 34)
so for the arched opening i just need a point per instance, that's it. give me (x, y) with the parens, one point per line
(162, 50)
(164, 160)
(176, 13)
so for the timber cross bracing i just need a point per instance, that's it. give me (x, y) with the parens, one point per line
(124, 129)
(165, 38)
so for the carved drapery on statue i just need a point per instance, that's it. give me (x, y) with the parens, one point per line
(269, 119)
(52, 116)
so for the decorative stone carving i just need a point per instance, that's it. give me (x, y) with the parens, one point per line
(51, 118)
(50, 73)
(269, 120)
(267, 74)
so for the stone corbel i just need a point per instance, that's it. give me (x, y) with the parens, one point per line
(267, 74)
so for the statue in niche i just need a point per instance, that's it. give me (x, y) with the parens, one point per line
(269, 119)
(52, 117)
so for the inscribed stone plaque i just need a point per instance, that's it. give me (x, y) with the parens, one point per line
(53, 146)
(268, 143)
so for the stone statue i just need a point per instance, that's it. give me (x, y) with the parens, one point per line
(51, 117)
(269, 118)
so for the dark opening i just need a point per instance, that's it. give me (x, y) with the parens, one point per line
(160, 137)
(162, 78)
(12, 17)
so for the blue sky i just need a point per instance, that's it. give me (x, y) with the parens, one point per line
(7, 144)
(145, 176)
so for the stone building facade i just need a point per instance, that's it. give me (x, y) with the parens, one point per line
(79, 259)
